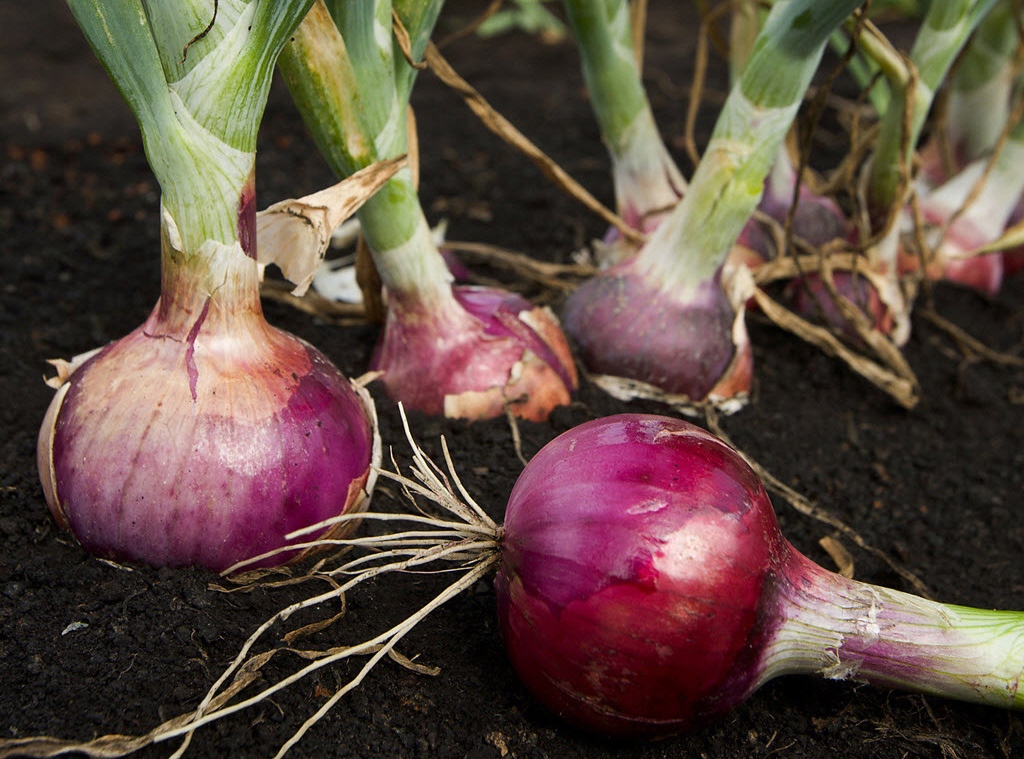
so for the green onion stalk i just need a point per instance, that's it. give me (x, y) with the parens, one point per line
(944, 31)
(647, 181)
(468, 352)
(816, 219)
(194, 439)
(979, 96)
(978, 111)
(672, 316)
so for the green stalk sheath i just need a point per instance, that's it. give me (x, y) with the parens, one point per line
(943, 33)
(646, 178)
(982, 83)
(602, 32)
(418, 17)
(355, 126)
(690, 246)
(365, 27)
(199, 118)
(849, 630)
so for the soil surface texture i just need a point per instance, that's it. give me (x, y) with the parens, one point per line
(89, 648)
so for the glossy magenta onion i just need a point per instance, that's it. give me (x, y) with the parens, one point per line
(645, 589)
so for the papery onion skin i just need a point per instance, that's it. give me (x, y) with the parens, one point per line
(627, 326)
(204, 451)
(474, 354)
(621, 538)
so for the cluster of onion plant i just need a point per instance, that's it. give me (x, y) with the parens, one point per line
(461, 351)
(644, 589)
(882, 229)
(206, 435)
(886, 192)
(968, 188)
(671, 317)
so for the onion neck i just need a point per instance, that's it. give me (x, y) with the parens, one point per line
(850, 630)
(646, 178)
(214, 286)
(404, 252)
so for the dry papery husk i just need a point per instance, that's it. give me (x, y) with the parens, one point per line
(294, 234)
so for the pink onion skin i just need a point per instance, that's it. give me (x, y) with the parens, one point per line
(632, 591)
(627, 326)
(475, 354)
(205, 450)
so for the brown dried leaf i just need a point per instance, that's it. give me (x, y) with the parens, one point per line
(839, 554)
(294, 234)
(504, 129)
(900, 383)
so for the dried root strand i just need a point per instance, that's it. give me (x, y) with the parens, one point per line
(465, 540)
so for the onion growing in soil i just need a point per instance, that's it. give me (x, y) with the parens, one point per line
(460, 351)
(206, 435)
(671, 317)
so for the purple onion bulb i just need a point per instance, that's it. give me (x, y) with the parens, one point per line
(645, 589)
(204, 437)
(627, 326)
(473, 354)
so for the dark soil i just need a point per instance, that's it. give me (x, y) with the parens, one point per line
(88, 648)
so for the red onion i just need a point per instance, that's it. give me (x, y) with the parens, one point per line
(809, 297)
(470, 352)
(645, 589)
(206, 435)
(627, 325)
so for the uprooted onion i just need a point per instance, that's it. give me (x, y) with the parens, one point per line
(645, 589)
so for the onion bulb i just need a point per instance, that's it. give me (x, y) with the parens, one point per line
(471, 352)
(645, 589)
(206, 435)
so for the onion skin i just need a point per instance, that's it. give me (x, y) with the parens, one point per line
(203, 448)
(474, 354)
(626, 326)
(982, 273)
(645, 589)
(809, 297)
(611, 579)
(817, 220)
